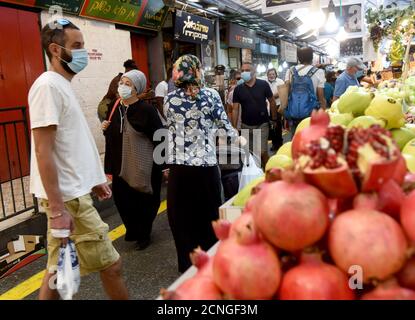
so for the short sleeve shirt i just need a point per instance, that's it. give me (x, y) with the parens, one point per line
(318, 78)
(162, 89)
(343, 82)
(52, 102)
(274, 88)
(253, 101)
(192, 126)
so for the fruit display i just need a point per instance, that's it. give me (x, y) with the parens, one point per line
(355, 100)
(388, 110)
(337, 222)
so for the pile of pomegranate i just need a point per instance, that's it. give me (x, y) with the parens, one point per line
(338, 225)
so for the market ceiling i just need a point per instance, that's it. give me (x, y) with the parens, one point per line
(247, 13)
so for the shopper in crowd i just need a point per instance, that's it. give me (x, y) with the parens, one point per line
(66, 166)
(349, 77)
(251, 99)
(162, 89)
(137, 209)
(306, 85)
(370, 80)
(329, 87)
(194, 114)
(234, 80)
(276, 126)
(112, 93)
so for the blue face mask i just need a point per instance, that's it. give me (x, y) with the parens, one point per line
(359, 74)
(240, 81)
(79, 59)
(246, 76)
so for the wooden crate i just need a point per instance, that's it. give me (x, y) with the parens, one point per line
(229, 212)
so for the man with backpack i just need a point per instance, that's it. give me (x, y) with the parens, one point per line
(306, 87)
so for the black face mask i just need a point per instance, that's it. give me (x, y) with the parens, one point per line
(66, 57)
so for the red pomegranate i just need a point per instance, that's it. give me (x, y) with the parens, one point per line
(409, 183)
(273, 175)
(368, 239)
(314, 279)
(201, 260)
(339, 158)
(291, 215)
(400, 171)
(388, 200)
(221, 228)
(196, 288)
(318, 125)
(325, 167)
(372, 155)
(391, 197)
(406, 277)
(390, 290)
(408, 215)
(201, 286)
(246, 267)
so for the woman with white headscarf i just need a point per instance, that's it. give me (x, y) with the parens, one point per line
(137, 209)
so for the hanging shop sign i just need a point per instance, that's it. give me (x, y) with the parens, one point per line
(66, 6)
(265, 48)
(353, 19)
(351, 47)
(273, 6)
(239, 37)
(288, 52)
(273, 50)
(147, 14)
(144, 14)
(191, 28)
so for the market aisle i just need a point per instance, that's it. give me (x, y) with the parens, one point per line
(145, 271)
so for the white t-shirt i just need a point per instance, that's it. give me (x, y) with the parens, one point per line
(319, 78)
(162, 89)
(274, 88)
(53, 102)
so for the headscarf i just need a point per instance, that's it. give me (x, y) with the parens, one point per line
(187, 72)
(138, 79)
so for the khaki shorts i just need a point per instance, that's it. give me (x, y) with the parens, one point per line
(90, 235)
(257, 134)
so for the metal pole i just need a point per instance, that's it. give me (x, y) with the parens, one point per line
(218, 54)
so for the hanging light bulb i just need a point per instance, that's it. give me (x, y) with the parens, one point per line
(285, 65)
(342, 35)
(280, 68)
(270, 65)
(332, 23)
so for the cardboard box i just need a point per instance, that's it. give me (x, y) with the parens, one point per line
(229, 212)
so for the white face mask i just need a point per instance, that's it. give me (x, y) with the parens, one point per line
(124, 91)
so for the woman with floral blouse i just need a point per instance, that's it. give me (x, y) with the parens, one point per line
(195, 116)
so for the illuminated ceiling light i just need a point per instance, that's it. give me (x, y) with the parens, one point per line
(332, 24)
(280, 68)
(285, 65)
(272, 31)
(270, 65)
(212, 8)
(342, 35)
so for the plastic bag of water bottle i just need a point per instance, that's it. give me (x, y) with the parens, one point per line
(68, 275)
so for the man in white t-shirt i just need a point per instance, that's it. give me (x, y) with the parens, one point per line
(276, 129)
(66, 166)
(161, 92)
(318, 78)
